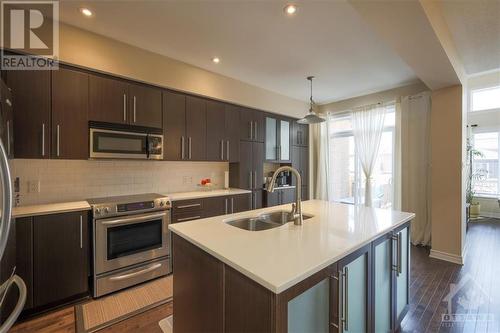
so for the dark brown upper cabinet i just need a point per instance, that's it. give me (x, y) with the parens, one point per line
(251, 125)
(277, 139)
(120, 102)
(184, 127)
(196, 128)
(145, 106)
(217, 148)
(60, 257)
(31, 108)
(300, 134)
(108, 100)
(232, 119)
(300, 161)
(70, 114)
(174, 126)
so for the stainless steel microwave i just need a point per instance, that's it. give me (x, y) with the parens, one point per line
(109, 143)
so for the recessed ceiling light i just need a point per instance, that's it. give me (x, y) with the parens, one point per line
(290, 9)
(87, 12)
(216, 60)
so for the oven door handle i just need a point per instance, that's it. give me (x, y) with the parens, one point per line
(131, 275)
(133, 219)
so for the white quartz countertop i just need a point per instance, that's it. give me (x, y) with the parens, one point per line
(281, 257)
(205, 194)
(54, 208)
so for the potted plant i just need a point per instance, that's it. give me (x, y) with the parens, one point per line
(472, 177)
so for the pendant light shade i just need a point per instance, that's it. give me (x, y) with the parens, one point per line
(311, 117)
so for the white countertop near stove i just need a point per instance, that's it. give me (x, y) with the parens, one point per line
(281, 257)
(53, 208)
(205, 194)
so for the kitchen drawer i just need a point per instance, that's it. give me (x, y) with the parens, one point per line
(188, 216)
(182, 206)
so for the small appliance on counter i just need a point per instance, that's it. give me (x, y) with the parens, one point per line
(131, 240)
(284, 179)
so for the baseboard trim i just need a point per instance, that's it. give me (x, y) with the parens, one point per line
(447, 257)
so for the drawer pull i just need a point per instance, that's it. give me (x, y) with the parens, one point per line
(189, 206)
(131, 275)
(189, 218)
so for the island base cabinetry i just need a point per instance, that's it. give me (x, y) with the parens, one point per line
(366, 291)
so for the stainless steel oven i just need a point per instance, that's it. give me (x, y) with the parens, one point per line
(111, 143)
(131, 241)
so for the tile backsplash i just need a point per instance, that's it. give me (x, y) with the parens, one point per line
(48, 181)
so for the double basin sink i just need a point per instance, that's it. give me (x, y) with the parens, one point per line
(265, 221)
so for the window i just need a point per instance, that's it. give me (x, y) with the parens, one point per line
(347, 180)
(486, 166)
(485, 99)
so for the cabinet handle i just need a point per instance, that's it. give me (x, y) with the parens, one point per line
(134, 274)
(227, 150)
(124, 107)
(225, 206)
(189, 218)
(400, 254)
(345, 296)
(222, 150)
(58, 139)
(255, 201)
(182, 148)
(255, 131)
(189, 206)
(251, 130)
(232, 205)
(299, 137)
(250, 180)
(189, 147)
(134, 107)
(81, 232)
(255, 179)
(8, 134)
(43, 139)
(335, 283)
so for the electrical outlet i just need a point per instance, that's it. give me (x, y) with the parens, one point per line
(33, 186)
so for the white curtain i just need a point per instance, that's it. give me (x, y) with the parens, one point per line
(415, 175)
(368, 124)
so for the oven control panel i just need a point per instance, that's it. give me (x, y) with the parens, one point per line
(127, 208)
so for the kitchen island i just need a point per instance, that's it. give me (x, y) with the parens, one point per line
(344, 270)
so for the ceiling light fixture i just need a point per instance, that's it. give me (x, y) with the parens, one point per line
(290, 9)
(311, 117)
(87, 12)
(216, 60)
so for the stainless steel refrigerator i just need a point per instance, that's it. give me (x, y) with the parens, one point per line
(12, 287)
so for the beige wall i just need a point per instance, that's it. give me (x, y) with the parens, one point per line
(446, 171)
(87, 49)
(382, 96)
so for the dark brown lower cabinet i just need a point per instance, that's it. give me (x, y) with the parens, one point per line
(60, 257)
(24, 256)
(211, 296)
(279, 197)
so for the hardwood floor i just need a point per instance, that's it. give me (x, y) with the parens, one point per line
(478, 292)
(430, 284)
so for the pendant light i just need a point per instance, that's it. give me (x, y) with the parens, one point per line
(311, 117)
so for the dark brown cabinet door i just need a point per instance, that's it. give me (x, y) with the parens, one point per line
(252, 125)
(31, 106)
(174, 126)
(256, 199)
(257, 165)
(60, 255)
(241, 203)
(196, 128)
(305, 193)
(245, 167)
(300, 161)
(144, 106)
(272, 199)
(24, 255)
(232, 119)
(108, 100)
(70, 134)
(216, 132)
(215, 206)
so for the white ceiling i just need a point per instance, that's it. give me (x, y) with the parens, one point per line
(256, 42)
(475, 29)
